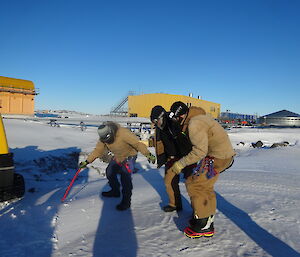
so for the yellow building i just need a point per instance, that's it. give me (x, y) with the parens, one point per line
(16, 96)
(141, 105)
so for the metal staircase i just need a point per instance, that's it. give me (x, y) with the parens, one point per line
(121, 109)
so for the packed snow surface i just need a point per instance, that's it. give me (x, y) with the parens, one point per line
(258, 200)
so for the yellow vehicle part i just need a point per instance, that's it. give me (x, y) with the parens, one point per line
(3, 140)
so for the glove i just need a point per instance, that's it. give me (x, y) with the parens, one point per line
(177, 167)
(82, 165)
(151, 158)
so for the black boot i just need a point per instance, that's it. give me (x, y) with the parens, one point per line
(123, 205)
(169, 208)
(111, 193)
(200, 227)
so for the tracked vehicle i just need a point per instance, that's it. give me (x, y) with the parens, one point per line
(12, 185)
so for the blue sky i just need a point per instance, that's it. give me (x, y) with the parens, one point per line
(86, 55)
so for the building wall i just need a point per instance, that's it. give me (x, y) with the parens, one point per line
(280, 121)
(141, 105)
(16, 96)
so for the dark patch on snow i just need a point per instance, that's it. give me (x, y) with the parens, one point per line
(258, 144)
(31, 190)
(54, 164)
(36, 163)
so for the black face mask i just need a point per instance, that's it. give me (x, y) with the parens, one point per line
(108, 138)
(177, 120)
(110, 135)
(180, 120)
(161, 121)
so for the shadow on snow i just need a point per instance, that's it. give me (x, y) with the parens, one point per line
(268, 242)
(115, 235)
(156, 180)
(28, 225)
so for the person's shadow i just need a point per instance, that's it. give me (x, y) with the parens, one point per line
(156, 180)
(115, 235)
(260, 236)
(268, 242)
(27, 226)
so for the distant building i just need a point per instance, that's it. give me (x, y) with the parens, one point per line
(231, 117)
(141, 105)
(16, 96)
(281, 118)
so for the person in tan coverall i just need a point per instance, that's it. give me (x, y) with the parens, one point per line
(125, 146)
(213, 151)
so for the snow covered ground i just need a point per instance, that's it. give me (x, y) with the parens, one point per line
(258, 201)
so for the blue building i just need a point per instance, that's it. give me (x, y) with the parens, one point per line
(238, 117)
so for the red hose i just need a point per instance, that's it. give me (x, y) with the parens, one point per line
(71, 184)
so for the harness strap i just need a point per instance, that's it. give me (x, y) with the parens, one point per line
(126, 163)
(206, 165)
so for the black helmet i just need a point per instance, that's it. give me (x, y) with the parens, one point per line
(158, 116)
(107, 132)
(178, 108)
